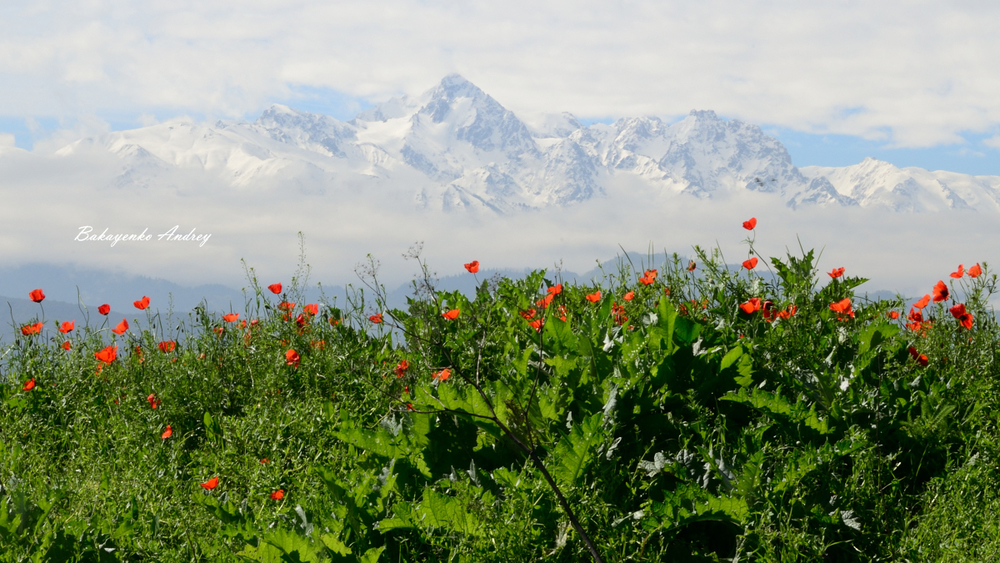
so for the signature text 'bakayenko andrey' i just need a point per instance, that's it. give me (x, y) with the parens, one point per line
(87, 234)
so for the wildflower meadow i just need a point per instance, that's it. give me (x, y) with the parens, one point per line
(672, 411)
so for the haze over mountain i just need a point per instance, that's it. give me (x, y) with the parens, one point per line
(455, 148)
(453, 169)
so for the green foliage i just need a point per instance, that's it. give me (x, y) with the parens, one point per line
(679, 414)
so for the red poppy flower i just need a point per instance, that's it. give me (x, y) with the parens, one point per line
(278, 495)
(286, 306)
(311, 309)
(275, 288)
(618, 313)
(692, 266)
(28, 330)
(594, 297)
(442, 375)
(957, 310)
(167, 433)
(554, 290)
(107, 355)
(264, 460)
(472, 267)
(231, 317)
(210, 484)
(628, 296)
(646, 280)
(964, 317)
(536, 324)
(788, 312)
(121, 328)
(940, 292)
(893, 315)
(843, 309)
(768, 311)
(104, 309)
(529, 314)
(751, 306)
(451, 315)
(66, 345)
(651, 274)
(302, 319)
(975, 271)
(751, 263)
(401, 368)
(923, 302)
(142, 303)
(841, 306)
(292, 358)
(67, 326)
(36, 295)
(545, 301)
(153, 400)
(29, 384)
(836, 273)
(376, 318)
(749, 225)
(920, 358)
(167, 346)
(959, 272)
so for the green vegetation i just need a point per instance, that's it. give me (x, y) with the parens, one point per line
(687, 413)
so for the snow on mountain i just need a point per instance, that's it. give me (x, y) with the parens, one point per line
(876, 183)
(455, 148)
(551, 125)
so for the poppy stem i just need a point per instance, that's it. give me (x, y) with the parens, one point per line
(533, 454)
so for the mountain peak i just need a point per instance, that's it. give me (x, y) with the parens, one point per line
(454, 80)
(456, 86)
(704, 114)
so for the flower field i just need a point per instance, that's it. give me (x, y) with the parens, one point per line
(672, 412)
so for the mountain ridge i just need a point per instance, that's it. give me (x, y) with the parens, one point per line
(456, 148)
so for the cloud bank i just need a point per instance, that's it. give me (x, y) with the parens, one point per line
(910, 74)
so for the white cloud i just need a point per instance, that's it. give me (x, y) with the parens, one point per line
(993, 142)
(919, 73)
(47, 199)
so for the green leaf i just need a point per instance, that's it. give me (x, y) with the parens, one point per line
(334, 544)
(731, 357)
(575, 451)
(293, 547)
(443, 511)
(212, 426)
(372, 555)
(686, 331)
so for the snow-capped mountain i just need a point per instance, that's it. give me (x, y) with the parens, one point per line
(455, 147)
(876, 183)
